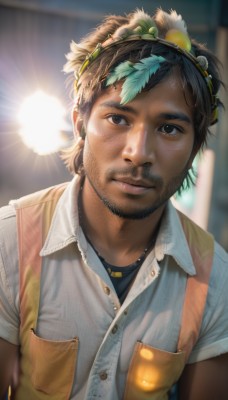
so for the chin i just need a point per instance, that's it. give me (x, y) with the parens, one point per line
(130, 214)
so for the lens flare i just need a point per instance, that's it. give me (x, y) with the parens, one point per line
(41, 120)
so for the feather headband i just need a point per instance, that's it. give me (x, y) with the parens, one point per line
(167, 29)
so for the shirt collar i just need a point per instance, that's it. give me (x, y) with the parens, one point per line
(172, 241)
(65, 229)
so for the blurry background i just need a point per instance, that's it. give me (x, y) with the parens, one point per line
(34, 37)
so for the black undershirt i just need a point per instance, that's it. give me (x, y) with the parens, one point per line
(122, 277)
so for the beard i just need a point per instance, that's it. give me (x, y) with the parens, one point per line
(168, 191)
(172, 188)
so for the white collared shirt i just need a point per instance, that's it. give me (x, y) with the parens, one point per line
(78, 298)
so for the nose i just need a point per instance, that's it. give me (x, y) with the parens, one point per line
(139, 149)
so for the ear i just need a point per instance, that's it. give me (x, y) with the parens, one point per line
(77, 123)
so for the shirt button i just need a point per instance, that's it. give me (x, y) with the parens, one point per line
(115, 308)
(115, 329)
(107, 290)
(103, 375)
(153, 273)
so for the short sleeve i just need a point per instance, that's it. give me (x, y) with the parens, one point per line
(9, 277)
(213, 338)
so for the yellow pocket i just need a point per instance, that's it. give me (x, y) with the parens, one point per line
(152, 373)
(53, 365)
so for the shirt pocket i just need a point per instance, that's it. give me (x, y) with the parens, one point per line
(53, 365)
(152, 373)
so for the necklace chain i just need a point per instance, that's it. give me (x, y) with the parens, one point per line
(139, 260)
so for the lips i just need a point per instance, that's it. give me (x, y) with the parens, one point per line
(133, 186)
(135, 182)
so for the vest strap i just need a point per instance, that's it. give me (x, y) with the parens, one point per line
(201, 246)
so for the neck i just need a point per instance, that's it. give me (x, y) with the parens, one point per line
(116, 239)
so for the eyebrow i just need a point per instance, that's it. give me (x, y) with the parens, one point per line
(169, 116)
(178, 115)
(118, 106)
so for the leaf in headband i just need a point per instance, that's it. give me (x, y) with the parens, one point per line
(120, 72)
(139, 77)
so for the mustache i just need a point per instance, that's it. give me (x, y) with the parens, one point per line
(142, 172)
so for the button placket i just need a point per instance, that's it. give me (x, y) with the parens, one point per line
(113, 342)
(155, 270)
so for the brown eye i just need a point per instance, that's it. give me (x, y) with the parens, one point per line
(117, 119)
(169, 129)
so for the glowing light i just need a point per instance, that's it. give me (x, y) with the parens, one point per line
(41, 118)
(147, 377)
(147, 354)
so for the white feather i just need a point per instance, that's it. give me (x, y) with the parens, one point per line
(167, 21)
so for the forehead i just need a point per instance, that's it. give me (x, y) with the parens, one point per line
(169, 94)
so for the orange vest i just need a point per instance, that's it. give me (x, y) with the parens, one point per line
(34, 214)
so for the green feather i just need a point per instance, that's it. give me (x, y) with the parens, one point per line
(120, 72)
(139, 77)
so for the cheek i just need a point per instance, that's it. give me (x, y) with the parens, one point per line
(97, 153)
(176, 157)
(103, 143)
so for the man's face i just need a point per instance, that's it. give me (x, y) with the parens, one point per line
(136, 156)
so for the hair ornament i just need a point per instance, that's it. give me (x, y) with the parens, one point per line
(179, 38)
(165, 22)
(88, 60)
(202, 60)
(121, 71)
(140, 23)
(136, 76)
(168, 29)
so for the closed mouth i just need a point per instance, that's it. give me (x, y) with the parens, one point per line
(135, 182)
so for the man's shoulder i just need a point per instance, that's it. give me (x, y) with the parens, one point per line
(7, 229)
(200, 242)
(196, 229)
(7, 222)
(40, 196)
(7, 212)
(220, 254)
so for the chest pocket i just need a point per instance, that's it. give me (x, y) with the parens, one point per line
(152, 373)
(53, 366)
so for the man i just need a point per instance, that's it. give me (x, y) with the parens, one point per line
(113, 294)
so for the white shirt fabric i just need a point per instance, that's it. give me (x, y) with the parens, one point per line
(78, 298)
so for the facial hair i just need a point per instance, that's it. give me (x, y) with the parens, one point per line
(145, 173)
